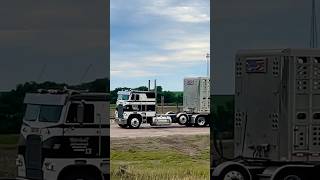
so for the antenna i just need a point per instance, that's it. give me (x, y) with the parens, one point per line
(42, 72)
(85, 73)
(313, 28)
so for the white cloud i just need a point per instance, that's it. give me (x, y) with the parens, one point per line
(187, 12)
(171, 36)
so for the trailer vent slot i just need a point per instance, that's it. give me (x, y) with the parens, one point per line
(238, 69)
(302, 60)
(315, 133)
(301, 116)
(316, 116)
(316, 60)
(302, 85)
(275, 67)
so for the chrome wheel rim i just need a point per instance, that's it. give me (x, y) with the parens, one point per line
(183, 119)
(135, 122)
(233, 175)
(201, 121)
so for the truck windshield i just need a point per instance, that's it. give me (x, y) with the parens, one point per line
(123, 97)
(32, 112)
(45, 113)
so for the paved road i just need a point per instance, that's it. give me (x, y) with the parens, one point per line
(149, 131)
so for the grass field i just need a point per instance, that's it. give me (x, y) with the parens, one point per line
(8, 151)
(173, 157)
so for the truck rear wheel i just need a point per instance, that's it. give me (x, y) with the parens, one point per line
(183, 119)
(134, 122)
(290, 174)
(201, 121)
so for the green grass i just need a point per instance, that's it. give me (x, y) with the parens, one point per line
(161, 158)
(11, 139)
(8, 152)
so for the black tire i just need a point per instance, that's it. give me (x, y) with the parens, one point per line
(134, 122)
(82, 176)
(200, 121)
(123, 125)
(234, 172)
(291, 174)
(183, 119)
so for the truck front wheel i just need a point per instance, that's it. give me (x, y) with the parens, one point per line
(183, 119)
(134, 122)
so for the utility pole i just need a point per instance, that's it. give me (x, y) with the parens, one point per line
(313, 28)
(208, 64)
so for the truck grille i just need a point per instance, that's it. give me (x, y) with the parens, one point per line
(33, 157)
(120, 111)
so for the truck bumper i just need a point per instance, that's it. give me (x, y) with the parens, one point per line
(121, 121)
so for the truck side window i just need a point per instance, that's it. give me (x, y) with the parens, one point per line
(72, 113)
(137, 97)
(151, 108)
(88, 113)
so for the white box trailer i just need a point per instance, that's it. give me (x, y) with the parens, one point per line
(196, 94)
(277, 116)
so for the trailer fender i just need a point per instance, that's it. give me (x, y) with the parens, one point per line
(295, 169)
(220, 169)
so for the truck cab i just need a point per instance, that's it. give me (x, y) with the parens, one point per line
(135, 107)
(64, 135)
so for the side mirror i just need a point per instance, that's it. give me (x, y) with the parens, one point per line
(80, 113)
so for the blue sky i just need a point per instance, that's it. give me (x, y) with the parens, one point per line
(165, 40)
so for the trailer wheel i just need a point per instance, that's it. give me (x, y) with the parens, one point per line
(201, 121)
(234, 172)
(183, 119)
(134, 122)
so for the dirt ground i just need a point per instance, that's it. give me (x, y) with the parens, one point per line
(149, 131)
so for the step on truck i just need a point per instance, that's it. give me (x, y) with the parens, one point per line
(134, 108)
(277, 117)
(64, 135)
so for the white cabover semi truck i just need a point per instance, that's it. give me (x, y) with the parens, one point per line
(277, 116)
(64, 136)
(137, 107)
